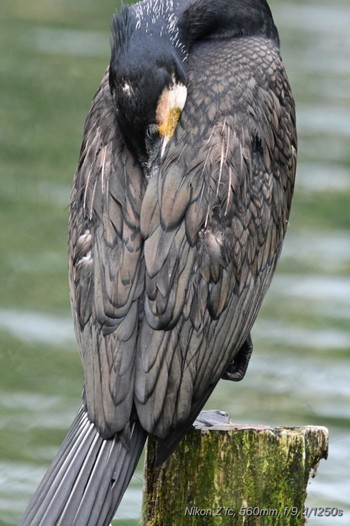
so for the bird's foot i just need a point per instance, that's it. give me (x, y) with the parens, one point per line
(238, 367)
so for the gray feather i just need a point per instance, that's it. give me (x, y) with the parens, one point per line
(87, 478)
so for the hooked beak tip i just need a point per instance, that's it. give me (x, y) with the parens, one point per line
(164, 143)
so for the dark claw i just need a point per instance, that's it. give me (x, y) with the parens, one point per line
(237, 369)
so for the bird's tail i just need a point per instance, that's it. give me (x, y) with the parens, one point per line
(87, 478)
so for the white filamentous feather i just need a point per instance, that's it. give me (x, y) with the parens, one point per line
(159, 10)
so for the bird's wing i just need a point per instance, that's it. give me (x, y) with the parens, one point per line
(106, 265)
(213, 220)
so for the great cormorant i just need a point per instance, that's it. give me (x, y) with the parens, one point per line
(179, 207)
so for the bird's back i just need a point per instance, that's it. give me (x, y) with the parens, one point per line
(219, 209)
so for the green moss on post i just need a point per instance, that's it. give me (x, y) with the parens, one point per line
(226, 474)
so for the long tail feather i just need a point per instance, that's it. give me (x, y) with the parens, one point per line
(88, 477)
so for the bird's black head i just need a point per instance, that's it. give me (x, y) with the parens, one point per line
(147, 82)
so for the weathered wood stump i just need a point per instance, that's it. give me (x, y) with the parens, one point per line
(228, 474)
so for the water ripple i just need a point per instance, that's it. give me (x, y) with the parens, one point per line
(38, 326)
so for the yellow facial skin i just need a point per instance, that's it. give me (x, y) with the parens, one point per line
(169, 108)
(167, 128)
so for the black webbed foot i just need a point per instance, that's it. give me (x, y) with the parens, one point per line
(237, 369)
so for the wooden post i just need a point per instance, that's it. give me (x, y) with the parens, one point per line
(228, 474)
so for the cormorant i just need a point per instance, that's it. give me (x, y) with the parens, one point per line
(179, 207)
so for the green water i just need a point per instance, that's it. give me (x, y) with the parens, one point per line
(53, 54)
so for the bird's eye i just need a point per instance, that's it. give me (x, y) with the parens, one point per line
(152, 141)
(152, 132)
(152, 138)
